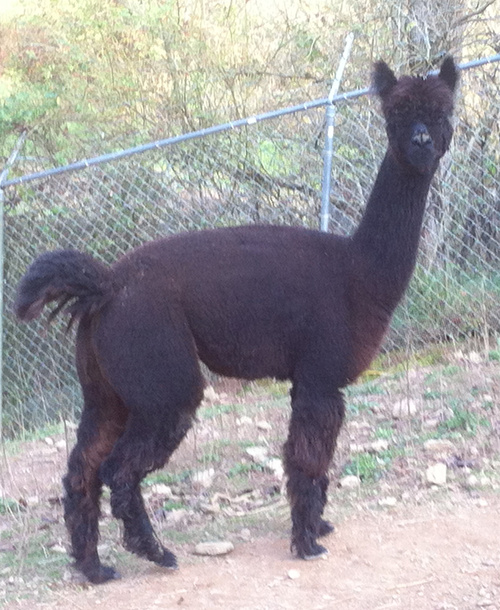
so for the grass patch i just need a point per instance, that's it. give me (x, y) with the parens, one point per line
(384, 432)
(369, 388)
(216, 410)
(173, 505)
(243, 469)
(434, 395)
(367, 466)
(463, 421)
(167, 478)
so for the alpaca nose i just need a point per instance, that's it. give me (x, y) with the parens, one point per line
(421, 136)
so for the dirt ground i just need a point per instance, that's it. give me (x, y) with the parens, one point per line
(399, 542)
(427, 558)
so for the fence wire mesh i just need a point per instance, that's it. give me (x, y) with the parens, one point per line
(269, 172)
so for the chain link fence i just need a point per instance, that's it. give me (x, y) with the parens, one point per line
(267, 172)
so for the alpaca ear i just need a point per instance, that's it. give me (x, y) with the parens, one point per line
(383, 79)
(449, 72)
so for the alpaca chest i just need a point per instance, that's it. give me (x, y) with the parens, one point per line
(369, 322)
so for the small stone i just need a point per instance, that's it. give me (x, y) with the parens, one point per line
(293, 574)
(357, 448)
(433, 422)
(71, 575)
(258, 454)
(380, 445)
(275, 465)
(436, 474)
(210, 509)
(389, 501)
(58, 548)
(245, 534)
(472, 480)
(475, 358)
(48, 441)
(215, 548)
(350, 481)
(482, 502)
(404, 408)
(439, 446)
(204, 478)
(210, 395)
(176, 516)
(160, 489)
(264, 426)
(244, 421)
(32, 501)
(61, 445)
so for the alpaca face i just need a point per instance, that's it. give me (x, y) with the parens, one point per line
(417, 112)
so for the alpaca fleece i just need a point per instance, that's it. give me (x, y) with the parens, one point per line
(249, 302)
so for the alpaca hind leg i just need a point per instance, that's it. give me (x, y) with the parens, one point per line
(139, 451)
(149, 357)
(83, 490)
(315, 423)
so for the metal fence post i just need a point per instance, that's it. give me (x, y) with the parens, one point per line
(330, 124)
(3, 177)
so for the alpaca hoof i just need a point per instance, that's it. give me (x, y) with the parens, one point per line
(168, 560)
(309, 551)
(320, 554)
(98, 574)
(109, 573)
(325, 528)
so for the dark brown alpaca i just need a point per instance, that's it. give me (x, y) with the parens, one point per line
(249, 302)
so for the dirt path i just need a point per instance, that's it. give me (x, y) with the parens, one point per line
(433, 557)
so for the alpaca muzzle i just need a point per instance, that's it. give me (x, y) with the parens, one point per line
(421, 152)
(421, 136)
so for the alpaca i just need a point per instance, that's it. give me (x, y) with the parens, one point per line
(249, 302)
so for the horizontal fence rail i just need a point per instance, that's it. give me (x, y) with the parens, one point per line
(261, 169)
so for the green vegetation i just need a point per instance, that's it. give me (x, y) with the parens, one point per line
(244, 468)
(464, 421)
(90, 75)
(367, 466)
(9, 506)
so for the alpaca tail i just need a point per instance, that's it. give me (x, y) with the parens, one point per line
(67, 276)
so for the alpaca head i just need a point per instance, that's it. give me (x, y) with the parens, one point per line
(417, 113)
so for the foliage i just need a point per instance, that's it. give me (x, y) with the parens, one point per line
(93, 76)
(367, 466)
(102, 72)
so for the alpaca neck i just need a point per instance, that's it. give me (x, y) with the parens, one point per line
(385, 243)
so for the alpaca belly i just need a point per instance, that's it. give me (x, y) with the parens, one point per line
(248, 358)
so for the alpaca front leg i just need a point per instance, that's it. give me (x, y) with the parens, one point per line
(308, 451)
